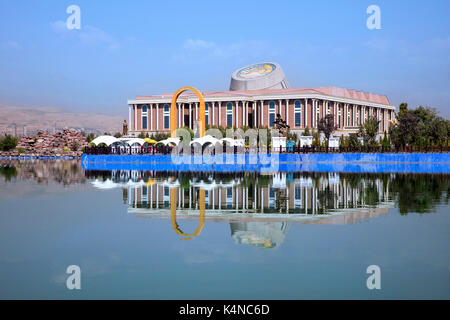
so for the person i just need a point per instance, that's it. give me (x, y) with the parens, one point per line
(125, 128)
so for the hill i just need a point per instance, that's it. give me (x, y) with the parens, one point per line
(47, 118)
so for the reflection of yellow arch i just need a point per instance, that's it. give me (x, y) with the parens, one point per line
(173, 214)
(173, 111)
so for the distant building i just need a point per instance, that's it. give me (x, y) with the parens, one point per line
(257, 94)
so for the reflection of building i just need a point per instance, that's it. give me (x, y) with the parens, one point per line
(259, 208)
(281, 197)
(261, 234)
(257, 93)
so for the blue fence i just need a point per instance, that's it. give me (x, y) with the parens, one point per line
(345, 162)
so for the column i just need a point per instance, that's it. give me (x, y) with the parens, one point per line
(179, 114)
(157, 187)
(261, 112)
(196, 112)
(236, 122)
(182, 115)
(353, 116)
(345, 115)
(246, 113)
(213, 117)
(244, 104)
(279, 107)
(220, 113)
(129, 117)
(254, 114)
(313, 112)
(157, 120)
(190, 115)
(335, 113)
(151, 116)
(135, 117)
(287, 111)
(305, 114)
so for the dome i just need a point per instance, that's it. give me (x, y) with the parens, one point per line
(259, 76)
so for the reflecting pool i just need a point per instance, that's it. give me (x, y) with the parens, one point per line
(221, 235)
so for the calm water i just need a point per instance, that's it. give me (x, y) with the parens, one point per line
(166, 235)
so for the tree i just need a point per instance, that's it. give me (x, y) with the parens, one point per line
(369, 131)
(437, 131)
(353, 141)
(327, 127)
(316, 140)
(306, 133)
(386, 142)
(90, 137)
(406, 129)
(425, 117)
(8, 143)
(117, 135)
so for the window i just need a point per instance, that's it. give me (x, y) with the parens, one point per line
(271, 113)
(166, 197)
(229, 114)
(166, 116)
(144, 117)
(298, 196)
(144, 196)
(271, 198)
(298, 113)
(206, 113)
(229, 198)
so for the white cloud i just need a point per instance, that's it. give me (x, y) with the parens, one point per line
(10, 45)
(378, 44)
(197, 49)
(87, 35)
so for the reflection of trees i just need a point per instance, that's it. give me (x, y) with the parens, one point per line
(371, 195)
(8, 172)
(420, 193)
(44, 171)
(326, 198)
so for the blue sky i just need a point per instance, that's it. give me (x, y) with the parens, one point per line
(129, 48)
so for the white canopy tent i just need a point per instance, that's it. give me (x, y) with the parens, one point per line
(108, 140)
(132, 141)
(174, 141)
(205, 140)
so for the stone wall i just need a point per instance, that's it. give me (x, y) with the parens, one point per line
(65, 143)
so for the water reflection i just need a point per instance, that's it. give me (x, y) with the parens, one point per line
(260, 208)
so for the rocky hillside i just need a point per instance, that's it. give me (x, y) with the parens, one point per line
(42, 118)
(65, 143)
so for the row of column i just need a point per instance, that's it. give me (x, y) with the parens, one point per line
(257, 198)
(311, 111)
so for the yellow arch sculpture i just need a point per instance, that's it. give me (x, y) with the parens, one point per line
(173, 214)
(173, 111)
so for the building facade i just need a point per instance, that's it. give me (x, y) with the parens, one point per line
(300, 108)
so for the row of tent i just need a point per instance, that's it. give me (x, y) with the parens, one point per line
(138, 142)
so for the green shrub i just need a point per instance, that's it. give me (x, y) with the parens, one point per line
(75, 146)
(8, 143)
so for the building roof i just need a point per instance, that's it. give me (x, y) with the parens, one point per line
(329, 91)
